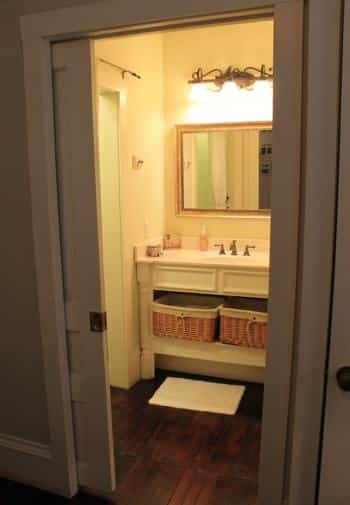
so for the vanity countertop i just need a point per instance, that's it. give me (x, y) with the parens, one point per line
(257, 260)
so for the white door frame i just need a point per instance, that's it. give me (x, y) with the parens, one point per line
(318, 183)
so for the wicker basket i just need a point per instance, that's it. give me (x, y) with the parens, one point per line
(243, 327)
(189, 317)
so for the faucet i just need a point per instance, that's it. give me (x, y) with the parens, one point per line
(233, 248)
(246, 249)
(222, 248)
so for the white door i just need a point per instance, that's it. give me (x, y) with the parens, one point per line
(335, 481)
(75, 123)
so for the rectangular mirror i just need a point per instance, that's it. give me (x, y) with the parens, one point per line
(224, 168)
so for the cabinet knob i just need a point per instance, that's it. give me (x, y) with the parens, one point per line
(343, 378)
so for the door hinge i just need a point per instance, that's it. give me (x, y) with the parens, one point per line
(98, 321)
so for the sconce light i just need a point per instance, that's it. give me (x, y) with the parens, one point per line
(217, 80)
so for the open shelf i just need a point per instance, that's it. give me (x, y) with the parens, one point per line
(213, 351)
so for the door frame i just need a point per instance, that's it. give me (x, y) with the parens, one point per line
(317, 246)
(317, 183)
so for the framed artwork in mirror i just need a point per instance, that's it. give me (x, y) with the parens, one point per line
(224, 169)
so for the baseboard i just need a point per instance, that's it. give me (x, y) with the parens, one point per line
(25, 446)
(211, 369)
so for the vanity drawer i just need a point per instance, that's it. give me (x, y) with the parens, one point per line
(185, 278)
(244, 283)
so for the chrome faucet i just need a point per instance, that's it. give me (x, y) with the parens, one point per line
(222, 248)
(247, 249)
(233, 248)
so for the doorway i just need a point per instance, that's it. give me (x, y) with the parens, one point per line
(142, 96)
(290, 47)
(129, 190)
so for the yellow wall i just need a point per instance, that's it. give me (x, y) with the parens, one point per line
(142, 190)
(184, 51)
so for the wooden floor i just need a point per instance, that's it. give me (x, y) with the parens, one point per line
(173, 457)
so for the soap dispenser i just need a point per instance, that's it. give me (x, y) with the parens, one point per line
(203, 239)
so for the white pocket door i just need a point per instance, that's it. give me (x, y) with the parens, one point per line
(75, 123)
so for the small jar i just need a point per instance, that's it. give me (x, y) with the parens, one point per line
(154, 250)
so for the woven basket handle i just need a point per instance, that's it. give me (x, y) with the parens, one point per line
(180, 324)
(249, 324)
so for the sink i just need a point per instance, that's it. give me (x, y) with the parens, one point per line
(213, 257)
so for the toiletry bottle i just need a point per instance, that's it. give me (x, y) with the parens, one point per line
(203, 239)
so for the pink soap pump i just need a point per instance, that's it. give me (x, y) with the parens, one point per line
(203, 239)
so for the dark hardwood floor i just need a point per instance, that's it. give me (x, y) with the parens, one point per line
(169, 456)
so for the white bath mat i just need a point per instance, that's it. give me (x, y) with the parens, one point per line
(198, 395)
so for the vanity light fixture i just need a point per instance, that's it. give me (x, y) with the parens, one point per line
(217, 79)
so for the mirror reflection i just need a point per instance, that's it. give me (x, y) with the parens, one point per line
(225, 169)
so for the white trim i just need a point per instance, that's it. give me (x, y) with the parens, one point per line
(210, 351)
(37, 61)
(211, 369)
(285, 208)
(75, 98)
(25, 446)
(97, 19)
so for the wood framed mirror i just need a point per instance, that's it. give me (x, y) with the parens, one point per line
(224, 169)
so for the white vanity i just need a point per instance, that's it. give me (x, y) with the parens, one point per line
(222, 171)
(192, 271)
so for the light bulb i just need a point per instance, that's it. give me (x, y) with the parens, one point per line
(229, 89)
(262, 99)
(262, 85)
(199, 92)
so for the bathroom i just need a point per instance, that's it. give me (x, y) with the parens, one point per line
(167, 232)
